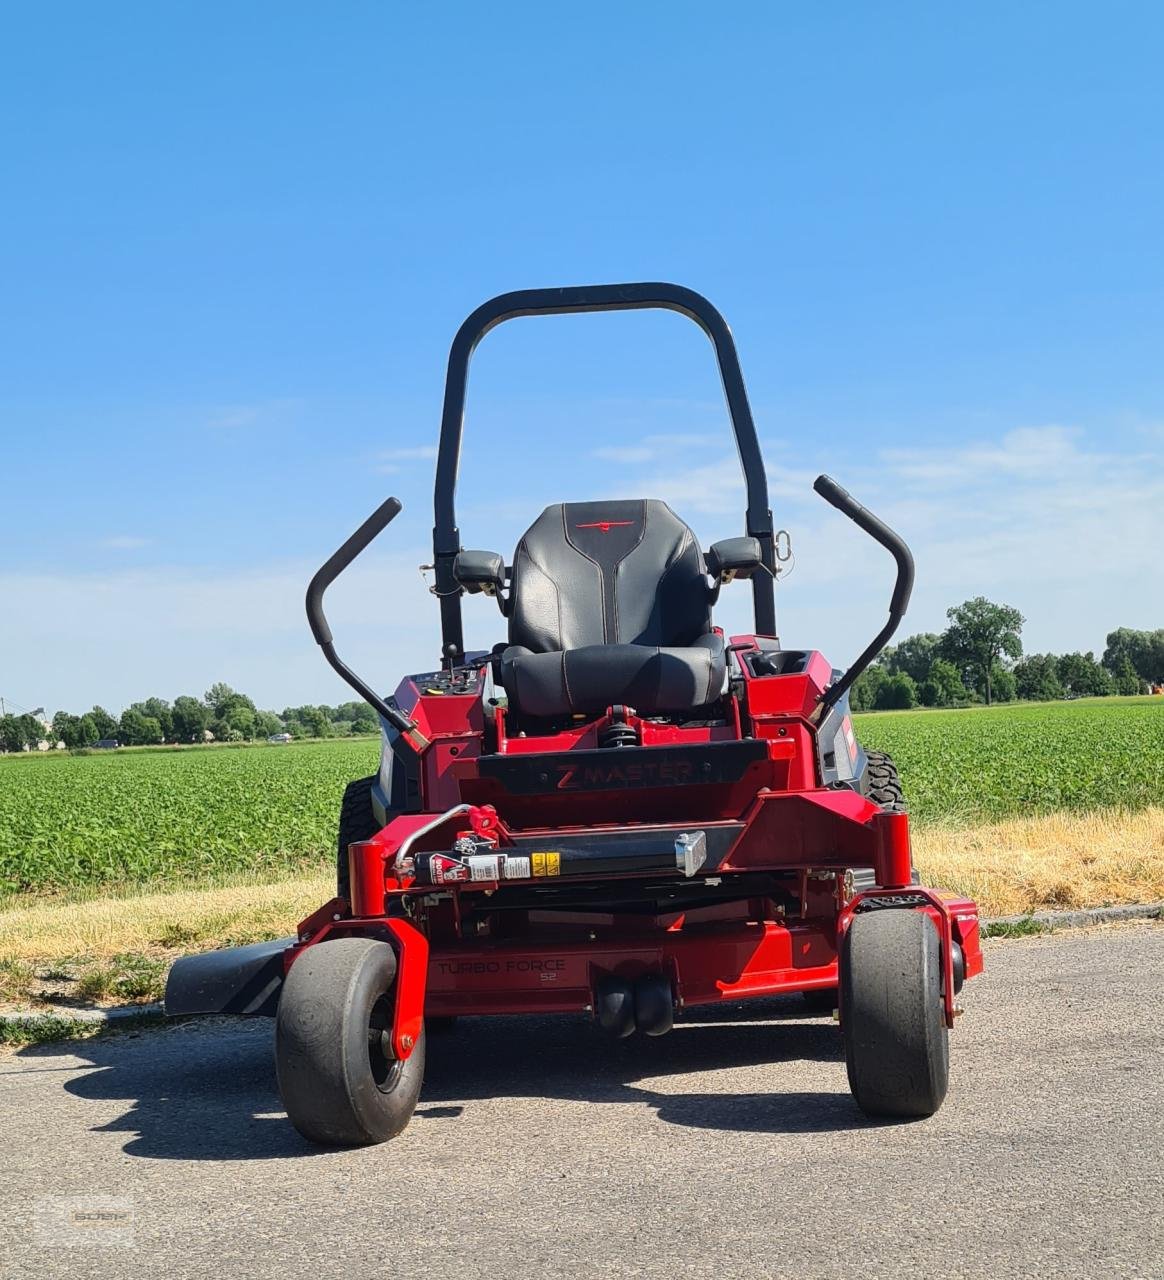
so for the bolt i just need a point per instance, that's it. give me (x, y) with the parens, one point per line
(406, 1041)
(958, 1011)
(337, 916)
(836, 1015)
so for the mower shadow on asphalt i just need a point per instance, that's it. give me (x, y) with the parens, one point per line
(197, 1093)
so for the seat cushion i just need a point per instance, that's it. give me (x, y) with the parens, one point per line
(654, 680)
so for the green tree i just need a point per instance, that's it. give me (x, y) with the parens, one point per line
(914, 656)
(1003, 685)
(1124, 679)
(1143, 649)
(896, 693)
(241, 718)
(106, 724)
(365, 722)
(267, 723)
(1037, 678)
(86, 734)
(11, 734)
(218, 697)
(979, 635)
(1083, 677)
(317, 722)
(138, 730)
(189, 718)
(158, 709)
(65, 728)
(32, 730)
(863, 695)
(943, 687)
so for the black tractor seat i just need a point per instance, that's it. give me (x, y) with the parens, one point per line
(609, 603)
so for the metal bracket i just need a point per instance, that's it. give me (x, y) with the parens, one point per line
(690, 851)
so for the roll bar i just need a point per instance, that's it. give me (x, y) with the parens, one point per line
(610, 297)
(876, 528)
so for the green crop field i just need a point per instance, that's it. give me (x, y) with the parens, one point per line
(139, 817)
(133, 817)
(1024, 759)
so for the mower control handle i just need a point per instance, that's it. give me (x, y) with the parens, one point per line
(375, 524)
(876, 528)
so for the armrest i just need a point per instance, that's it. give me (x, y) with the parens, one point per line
(480, 571)
(733, 558)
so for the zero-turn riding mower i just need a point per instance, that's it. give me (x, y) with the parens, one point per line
(618, 811)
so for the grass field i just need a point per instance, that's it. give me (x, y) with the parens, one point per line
(113, 818)
(116, 820)
(983, 765)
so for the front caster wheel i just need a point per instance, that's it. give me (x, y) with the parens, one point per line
(338, 1078)
(896, 1041)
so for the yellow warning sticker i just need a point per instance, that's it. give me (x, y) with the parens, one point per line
(546, 864)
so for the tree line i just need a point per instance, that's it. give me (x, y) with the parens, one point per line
(979, 658)
(222, 713)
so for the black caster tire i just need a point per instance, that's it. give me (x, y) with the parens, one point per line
(654, 1005)
(614, 1007)
(897, 1046)
(338, 1080)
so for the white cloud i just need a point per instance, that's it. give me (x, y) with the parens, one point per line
(1040, 517)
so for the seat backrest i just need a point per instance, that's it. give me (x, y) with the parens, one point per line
(622, 572)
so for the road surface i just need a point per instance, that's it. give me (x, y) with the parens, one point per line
(729, 1148)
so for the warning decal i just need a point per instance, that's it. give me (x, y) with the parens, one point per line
(546, 864)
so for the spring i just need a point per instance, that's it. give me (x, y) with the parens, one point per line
(618, 734)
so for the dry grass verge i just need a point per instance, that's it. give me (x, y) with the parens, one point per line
(1050, 863)
(42, 930)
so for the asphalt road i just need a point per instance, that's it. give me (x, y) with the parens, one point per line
(729, 1148)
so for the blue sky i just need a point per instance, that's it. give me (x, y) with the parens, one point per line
(235, 242)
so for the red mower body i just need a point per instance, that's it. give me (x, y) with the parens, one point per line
(618, 811)
(498, 876)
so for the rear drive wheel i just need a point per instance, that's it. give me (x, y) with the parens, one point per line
(357, 821)
(882, 785)
(882, 788)
(338, 1077)
(897, 1046)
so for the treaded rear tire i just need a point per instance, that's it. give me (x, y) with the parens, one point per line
(883, 786)
(337, 1079)
(897, 1046)
(357, 821)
